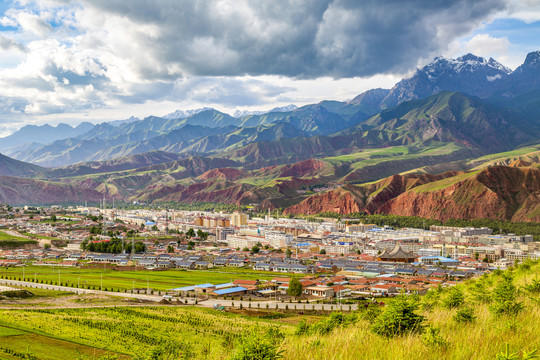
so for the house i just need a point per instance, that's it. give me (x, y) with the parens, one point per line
(185, 264)
(320, 291)
(263, 266)
(163, 264)
(236, 263)
(341, 291)
(202, 264)
(383, 289)
(147, 263)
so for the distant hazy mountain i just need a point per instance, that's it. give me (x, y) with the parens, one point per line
(181, 114)
(43, 134)
(12, 167)
(242, 113)
(122, 122)
(524, 79)
(514, 97)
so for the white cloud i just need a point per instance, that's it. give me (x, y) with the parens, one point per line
(525, 10)
(115, 58)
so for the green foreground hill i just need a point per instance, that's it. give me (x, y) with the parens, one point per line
(482, 318)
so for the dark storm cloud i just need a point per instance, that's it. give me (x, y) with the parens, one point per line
(301, 38)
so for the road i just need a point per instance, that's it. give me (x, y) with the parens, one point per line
(266, 304)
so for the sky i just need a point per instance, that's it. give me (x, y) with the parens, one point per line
(100, 60)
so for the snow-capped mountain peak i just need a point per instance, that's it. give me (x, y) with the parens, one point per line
(181, 114)
(242, 113)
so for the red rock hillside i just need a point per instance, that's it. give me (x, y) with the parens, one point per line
(498, 192)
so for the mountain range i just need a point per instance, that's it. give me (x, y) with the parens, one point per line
(386, 150)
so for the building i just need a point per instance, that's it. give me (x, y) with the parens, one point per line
(278, 239)
(396, 255)
(359, 227)
(239, 219)
(222, 232)
(320, 291)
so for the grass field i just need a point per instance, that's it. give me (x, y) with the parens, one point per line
(30, 343)
(7, 237)
(198, 333)
(157, 280)
(191, 333)
(10, 241)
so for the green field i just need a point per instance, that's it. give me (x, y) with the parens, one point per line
(504, 316)
(9, 241)
(188, 333)
(126, 280)
(7, 237)
(16, 344)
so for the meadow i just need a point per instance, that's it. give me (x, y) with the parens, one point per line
(10, 241)
(496, 316)
(159, 280)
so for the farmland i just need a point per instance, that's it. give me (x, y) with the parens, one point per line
(126, 280)
(140, 332)
(479, 319)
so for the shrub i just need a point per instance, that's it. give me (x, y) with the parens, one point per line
(431, 337)
(399, 317)
(505, 298)
(507, 355)
(455, 298)
(464, 315)
(533, 288)
(257, 347)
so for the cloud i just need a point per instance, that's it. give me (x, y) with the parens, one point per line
(524, 10)
(10, 44)
(482, 45)
(82, 55)
(300, 38)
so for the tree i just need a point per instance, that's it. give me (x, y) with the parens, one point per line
(295, 287)
(288, 253)
(170, 249)
(255, 249)
(53, 218)
(190, 233)
(322, 252)
(505, 297)
(154, 228)
(476, 256)
(455, 298)
(399, 317)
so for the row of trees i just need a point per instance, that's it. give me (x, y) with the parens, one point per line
(114, 246)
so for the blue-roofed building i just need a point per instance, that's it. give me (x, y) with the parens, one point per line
(239, 290)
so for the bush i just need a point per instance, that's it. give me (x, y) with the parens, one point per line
(455, 298)
(431, 337)
(465, 315)
(505, 298)
(533, 288)
(257, 347)
(507, 355)
(399, 318)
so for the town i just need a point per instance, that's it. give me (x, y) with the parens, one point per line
(331, 259)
